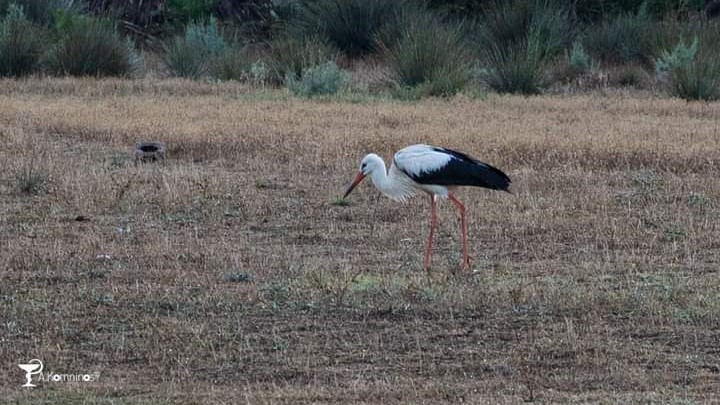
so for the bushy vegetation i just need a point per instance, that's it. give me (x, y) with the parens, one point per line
(21, 43)
(291, 56)
(194, 53)
(517, 41)
(691, 74)
(680, 57)
(89, 46)
(234, 63)
(699, 80)
(350, 26)
(579, 61)
(428, 54)
(419, 48)
(627, 38)
(320, 80)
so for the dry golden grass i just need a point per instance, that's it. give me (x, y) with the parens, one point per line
(233, 277)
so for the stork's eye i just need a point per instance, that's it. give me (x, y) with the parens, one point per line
(363, 166)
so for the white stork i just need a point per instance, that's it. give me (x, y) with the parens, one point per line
(433, 170)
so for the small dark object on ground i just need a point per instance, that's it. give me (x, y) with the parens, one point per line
(149, 152)
(239, 278)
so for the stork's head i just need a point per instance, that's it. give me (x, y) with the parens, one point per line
(368, 165)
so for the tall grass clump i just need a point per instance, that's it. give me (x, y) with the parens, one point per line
(233, 63)
(32, 177)
(21, 43)
(691, 73)
(427, 54)
(700, 80)
(320, 80)
(627, 38)
(195, 53)
(681, 56)
(348, 25)
(578, 60)
(89, 46)
(291, 56)
(518, 40)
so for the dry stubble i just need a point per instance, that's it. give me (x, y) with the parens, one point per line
(232, 275)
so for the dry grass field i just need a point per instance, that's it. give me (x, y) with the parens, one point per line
(231, 274)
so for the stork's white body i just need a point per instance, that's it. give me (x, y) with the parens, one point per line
(397, 184)
(433, 170)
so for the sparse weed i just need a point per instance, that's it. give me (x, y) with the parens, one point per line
(341, 202)
(699, 200)
(32, 177)
(646, 181)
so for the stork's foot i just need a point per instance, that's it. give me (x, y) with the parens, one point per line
(465, 264)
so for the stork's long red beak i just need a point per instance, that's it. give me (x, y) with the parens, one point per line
(360, 176)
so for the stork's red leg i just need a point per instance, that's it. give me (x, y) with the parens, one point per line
(433, 220)
(463, 224)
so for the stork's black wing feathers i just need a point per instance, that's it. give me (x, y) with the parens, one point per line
(464, 170)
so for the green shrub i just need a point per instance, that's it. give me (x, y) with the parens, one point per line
(291, 56)
(430, 54)
(628, 38)
(514, 23)
(320, 80)
(681, 56)
(518, 40)
(699, 80)
(20, 43)
(182, 59)
(90, 46)
(515, 69)
(195, 53)
(579, 61)
(231, 64)
(258, 73)
(348, 25)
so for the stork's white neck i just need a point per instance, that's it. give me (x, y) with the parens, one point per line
(379, 175)
(394, 186)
